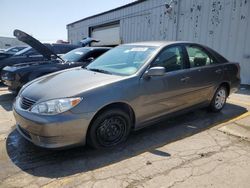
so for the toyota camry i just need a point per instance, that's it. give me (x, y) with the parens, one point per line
(127, 88)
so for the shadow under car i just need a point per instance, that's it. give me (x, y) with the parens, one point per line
(54, 164)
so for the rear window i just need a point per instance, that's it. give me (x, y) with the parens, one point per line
(27, 51)
(219, 57)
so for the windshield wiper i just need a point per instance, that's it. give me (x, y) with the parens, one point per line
(99, 70)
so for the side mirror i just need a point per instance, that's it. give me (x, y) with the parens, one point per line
(155, 71)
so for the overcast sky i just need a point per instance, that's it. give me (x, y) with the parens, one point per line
(47, 19)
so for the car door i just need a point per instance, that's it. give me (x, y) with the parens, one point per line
(167, 93)
(205, 73)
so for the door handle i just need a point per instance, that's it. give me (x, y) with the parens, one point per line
(218, 71)
(185, 79)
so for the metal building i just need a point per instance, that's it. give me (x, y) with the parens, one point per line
(221, 24)
(7, 42)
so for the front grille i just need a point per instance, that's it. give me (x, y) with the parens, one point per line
(26, 103)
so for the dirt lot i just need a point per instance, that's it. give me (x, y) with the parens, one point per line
(185, 151)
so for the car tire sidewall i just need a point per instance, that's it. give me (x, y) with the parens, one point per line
(212, 104)
(92, 139)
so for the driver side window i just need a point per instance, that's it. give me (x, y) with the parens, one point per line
(171, 59)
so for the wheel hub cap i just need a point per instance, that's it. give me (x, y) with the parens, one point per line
(220, 99)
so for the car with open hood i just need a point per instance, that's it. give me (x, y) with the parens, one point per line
(37, 51)
(18, 75)
(125, 89)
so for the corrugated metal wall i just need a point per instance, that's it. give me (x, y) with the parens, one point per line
(221, 24)
(7, 42)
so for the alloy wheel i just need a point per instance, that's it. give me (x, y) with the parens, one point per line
(220, 98)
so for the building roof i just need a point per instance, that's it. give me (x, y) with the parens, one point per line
(118, 8)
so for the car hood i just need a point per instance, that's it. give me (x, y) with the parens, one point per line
(13, 60)
(66, 83)
(6, 53)
(34, 43)
(21, 65)
(28, 65)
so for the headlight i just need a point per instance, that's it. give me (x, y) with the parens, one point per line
(7, 76)
(56, 106)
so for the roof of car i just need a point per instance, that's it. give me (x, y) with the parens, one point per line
(96, 48)
(17, 46)
(60, 44)
(157, 43)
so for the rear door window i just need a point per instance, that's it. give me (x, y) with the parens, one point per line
(198, 57)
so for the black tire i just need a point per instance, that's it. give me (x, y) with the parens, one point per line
(218, 102)
(109, 129)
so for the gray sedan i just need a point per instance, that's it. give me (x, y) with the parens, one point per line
(125, 89)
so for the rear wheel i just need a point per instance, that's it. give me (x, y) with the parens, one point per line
(219, 99)
(109, 129)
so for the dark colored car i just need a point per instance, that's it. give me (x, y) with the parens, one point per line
(15, 49)
(127, 88)
(11, 51)
(36, 52)
(17, 75)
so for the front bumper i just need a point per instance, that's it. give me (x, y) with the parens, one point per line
(58, 131)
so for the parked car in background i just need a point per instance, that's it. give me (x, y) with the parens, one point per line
(127, 88)
(17, 75)
(15, 49)
(11, 51)
(36, 52)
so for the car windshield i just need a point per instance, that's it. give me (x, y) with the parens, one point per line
(27, 51)
(123, 60)
(24, 51)
(14, 50)
(75, 55)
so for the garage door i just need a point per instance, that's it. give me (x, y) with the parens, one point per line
(108, 35)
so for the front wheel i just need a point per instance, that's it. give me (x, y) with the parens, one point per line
(109, 129)
(219, 99)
